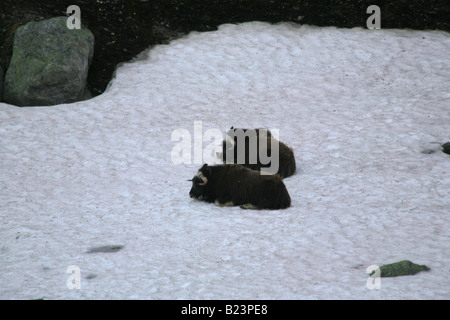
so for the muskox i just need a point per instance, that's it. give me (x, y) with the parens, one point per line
(258, 149)
(235, 185)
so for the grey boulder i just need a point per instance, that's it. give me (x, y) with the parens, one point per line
(49, 64)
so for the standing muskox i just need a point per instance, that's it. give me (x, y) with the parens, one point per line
(235, 185)
(259, 150)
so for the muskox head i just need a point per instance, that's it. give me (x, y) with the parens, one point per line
(200, 189)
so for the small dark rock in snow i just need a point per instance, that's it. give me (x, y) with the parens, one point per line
(108, 248)
(446, 147)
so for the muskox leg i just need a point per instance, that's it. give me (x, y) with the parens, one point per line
(225, 204)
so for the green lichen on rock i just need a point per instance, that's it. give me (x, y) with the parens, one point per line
(49, 64)
(401, 268)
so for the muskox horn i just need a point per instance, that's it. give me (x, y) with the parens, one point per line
(205, 181)
(201, 176)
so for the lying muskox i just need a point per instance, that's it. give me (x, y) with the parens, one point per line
(259, 150)
(235, 185)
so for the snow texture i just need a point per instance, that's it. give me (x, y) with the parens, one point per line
(364, 110)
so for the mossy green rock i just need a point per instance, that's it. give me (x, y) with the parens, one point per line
(49, 64)
(401, 268)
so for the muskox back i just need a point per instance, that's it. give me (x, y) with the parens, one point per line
(233, 184)
(248, 147)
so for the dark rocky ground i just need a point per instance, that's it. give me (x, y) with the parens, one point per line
(123, 28)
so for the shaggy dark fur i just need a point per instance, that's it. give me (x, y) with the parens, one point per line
(286, 166)
(233, 184)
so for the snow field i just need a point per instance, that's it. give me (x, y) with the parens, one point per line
(358, 107)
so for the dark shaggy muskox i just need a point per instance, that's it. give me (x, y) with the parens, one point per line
(235, 185)
(259, 150)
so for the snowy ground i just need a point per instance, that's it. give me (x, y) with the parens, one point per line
(363, 110)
